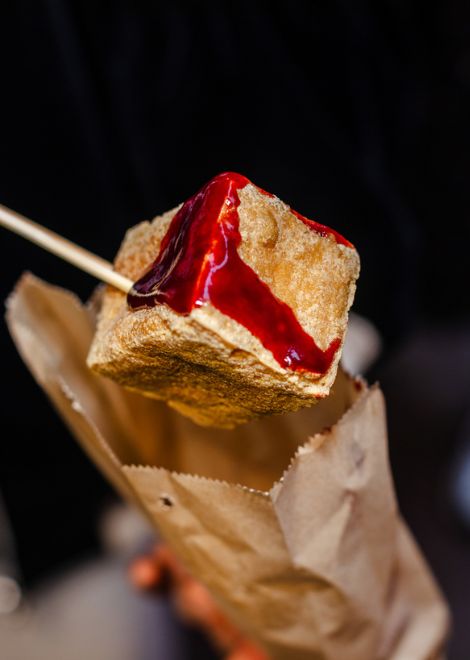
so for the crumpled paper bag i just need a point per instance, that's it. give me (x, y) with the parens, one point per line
(291, 522)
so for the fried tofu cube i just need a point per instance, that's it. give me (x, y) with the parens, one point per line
(239, 307)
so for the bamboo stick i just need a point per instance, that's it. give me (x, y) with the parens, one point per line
(63, 248)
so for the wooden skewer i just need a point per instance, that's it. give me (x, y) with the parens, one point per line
(61, 247)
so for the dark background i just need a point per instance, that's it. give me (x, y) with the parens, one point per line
(355, 113)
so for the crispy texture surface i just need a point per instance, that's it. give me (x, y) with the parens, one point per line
(206, 365)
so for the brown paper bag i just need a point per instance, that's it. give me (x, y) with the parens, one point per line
(291, 522)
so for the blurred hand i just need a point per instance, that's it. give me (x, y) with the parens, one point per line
(161, 570)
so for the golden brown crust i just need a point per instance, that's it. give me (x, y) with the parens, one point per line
(206, 365)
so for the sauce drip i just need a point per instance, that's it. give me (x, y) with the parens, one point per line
(198, 262)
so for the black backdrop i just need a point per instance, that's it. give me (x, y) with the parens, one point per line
(355, 113)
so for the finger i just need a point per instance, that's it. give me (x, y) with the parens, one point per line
(246, 650)
(194, 601)
(145, 573)
(195, 604)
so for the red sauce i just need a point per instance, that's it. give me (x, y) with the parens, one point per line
(199, 262)
(322, 229)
